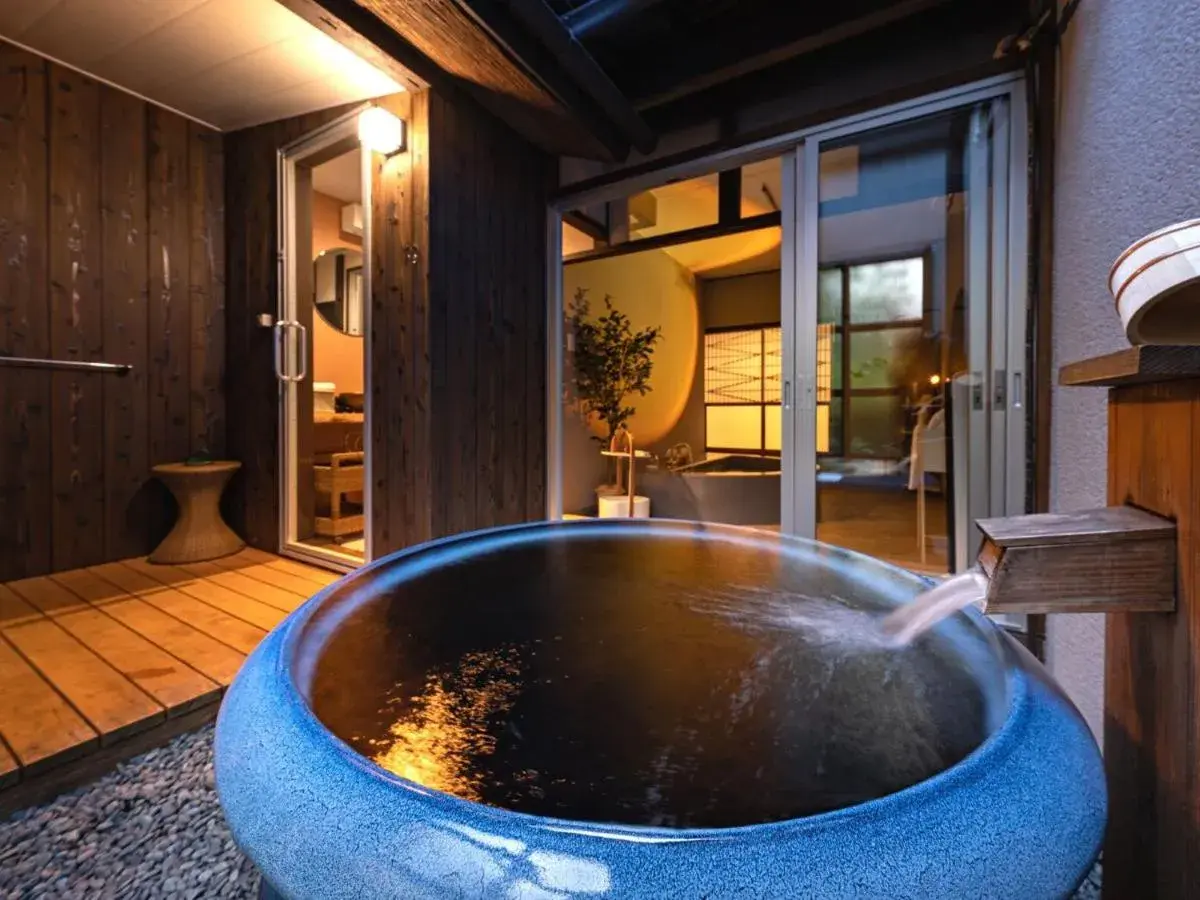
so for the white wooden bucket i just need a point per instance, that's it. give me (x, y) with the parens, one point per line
(1156, 286)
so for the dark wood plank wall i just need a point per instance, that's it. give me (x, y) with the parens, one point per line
(76, 319)
(401, 412)
(488, 190)
(106, 207)
(25, 489)
(252, 400)
(124, 267)
(458, 322)
(481, 71)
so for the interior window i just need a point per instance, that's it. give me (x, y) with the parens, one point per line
(742, 390)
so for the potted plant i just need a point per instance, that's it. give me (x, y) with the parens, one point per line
(611, 362)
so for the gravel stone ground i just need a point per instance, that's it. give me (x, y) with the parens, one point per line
(151, 829)
(1090, 889)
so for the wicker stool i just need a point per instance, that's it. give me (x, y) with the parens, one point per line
(199, 533)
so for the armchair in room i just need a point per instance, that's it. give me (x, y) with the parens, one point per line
(339, 473)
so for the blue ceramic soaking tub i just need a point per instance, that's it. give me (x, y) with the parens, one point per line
(649, 709)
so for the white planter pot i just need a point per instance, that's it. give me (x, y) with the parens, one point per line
(617, 506)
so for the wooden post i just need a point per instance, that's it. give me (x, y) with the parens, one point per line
(1152, 669)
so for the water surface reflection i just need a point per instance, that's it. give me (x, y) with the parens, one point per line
(665, 682)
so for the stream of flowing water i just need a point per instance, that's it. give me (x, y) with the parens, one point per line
(945, 599)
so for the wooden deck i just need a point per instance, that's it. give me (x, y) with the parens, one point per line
(99, 664)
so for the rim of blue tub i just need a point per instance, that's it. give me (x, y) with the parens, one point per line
(970, 768)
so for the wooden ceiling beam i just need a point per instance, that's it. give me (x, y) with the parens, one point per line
(363, 34)
(434, 43)
(496, 19)
(600, 16)
(538, 38)
(709, 78)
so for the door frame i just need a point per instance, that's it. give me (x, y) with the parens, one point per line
(339, 130)
(800, 153)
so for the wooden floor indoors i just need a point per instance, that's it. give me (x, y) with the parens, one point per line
(883, 524)
(102, 663)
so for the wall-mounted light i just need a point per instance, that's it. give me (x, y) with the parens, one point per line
(380, 131)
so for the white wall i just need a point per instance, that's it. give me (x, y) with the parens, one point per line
(1128, 161)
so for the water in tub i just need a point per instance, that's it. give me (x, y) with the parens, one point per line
(646, 682)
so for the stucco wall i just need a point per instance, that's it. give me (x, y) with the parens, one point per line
(1128, 161)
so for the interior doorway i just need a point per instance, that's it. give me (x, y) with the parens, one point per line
(322, 346)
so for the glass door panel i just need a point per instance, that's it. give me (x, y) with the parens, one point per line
(322, 334)
(708, 409)
(903, 259)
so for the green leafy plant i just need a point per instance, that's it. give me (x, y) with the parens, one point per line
(611, 362)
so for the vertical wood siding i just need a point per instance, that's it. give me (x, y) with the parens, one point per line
(112, 248)
(459, 359)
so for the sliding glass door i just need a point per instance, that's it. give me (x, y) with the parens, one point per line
(910, 320)
(854, 350)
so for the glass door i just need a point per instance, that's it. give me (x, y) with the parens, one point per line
(671, 338)
(321, 342)
(910, 334)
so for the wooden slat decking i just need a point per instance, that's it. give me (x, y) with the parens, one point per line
(101, 663)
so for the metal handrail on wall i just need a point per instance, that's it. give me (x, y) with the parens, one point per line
(64, 365)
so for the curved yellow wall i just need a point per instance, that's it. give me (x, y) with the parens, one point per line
(652, 289)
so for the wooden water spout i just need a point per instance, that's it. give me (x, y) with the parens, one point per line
(1109, 560)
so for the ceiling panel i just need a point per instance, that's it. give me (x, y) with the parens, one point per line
(17, 16)
(268, 107)
(341, 177)
(109, 26)
(230, 63)
(183, 49)
(267, 70)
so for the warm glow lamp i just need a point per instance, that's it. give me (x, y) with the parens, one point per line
(380, 131)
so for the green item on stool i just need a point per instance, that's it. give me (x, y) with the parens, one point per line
(200, 458)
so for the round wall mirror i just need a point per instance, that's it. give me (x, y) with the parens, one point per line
(338, 288)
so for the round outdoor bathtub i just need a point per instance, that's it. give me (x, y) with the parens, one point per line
(649, 709)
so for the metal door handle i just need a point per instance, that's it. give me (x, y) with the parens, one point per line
(282, 327)
(277, 336)
(302, 349)
(787, 394)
